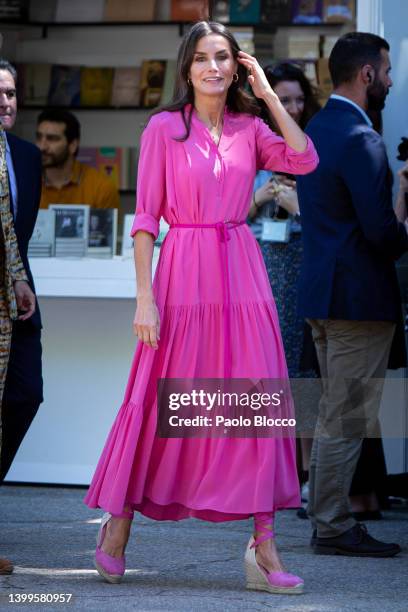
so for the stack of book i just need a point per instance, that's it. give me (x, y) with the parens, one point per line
(42, 243)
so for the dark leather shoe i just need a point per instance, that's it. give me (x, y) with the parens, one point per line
(6, 567)
(356, 542)
(302, 513)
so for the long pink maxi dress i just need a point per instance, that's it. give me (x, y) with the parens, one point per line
(211, 289)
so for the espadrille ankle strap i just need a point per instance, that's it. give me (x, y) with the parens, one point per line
(264, 526)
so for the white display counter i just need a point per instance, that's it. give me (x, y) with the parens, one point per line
(87, 307)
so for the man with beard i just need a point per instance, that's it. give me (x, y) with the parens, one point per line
(348, 289)
(65, 179)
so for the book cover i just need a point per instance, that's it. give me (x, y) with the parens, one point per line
(71, 220)
(245, 11)
(189, 10)
(126, 87)
(109, 161)
(276, 11)
(169, 82)
(102, 232)
(151, 82)
(78, 10)
(307, 11)
(71, 229)
(65, 86)
(127, 239)
(129, 10)
(339, 11)
(42, 241)
(96, 86)
(35, 80)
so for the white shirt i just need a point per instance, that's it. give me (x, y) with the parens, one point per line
(363, 113)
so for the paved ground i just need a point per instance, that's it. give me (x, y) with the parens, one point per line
(186, 566)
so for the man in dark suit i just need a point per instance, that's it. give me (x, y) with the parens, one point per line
(23, 388)
(348, 288)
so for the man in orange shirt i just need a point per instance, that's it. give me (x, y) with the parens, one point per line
(65, 179)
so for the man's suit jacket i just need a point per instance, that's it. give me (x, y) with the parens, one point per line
(351, 237)
(28, 170)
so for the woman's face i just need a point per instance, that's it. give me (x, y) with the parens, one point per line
(292, 97)
(213, 66)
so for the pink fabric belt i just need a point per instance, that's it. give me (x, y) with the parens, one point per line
(223, 229)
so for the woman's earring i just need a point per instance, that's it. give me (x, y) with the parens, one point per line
(189, 82)
(235, 77)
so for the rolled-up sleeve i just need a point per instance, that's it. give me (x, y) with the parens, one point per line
(151, 179)
(274, 154)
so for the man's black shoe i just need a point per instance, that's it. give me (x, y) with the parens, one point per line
(356, 542)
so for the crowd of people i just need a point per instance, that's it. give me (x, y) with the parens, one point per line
(279, 263)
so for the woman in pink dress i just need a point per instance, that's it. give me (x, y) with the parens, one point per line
(208, 314)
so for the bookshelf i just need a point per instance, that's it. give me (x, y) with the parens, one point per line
(84, 43)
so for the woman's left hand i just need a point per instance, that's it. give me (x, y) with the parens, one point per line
(256, 77)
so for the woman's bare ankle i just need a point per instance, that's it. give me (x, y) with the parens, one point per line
(116, 536)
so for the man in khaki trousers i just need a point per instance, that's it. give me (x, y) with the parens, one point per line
(348, 289)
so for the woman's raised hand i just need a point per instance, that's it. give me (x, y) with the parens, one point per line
(146, 324)
(256, 76)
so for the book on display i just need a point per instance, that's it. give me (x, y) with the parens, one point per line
(245, 11)
(151, 82)
(307, 12)
(96, 86)
(71, 229)
(102, 233)
(34, 83)
(126, 87)
(42, 242)
(276, 11)
(65, 87)
(339, 11)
